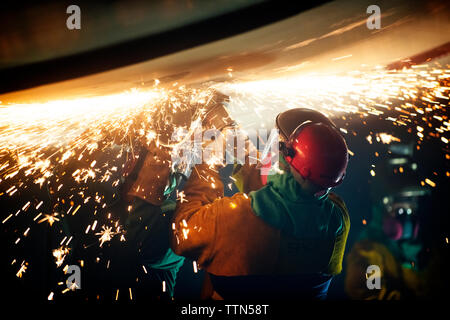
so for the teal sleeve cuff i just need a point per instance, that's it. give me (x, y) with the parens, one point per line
(168, 261)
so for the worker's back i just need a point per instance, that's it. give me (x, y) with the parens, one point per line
(307, 253)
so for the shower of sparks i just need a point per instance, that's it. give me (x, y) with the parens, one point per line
(62, 158)
(416, 99)
(36, 139)
(402, 97)
(57, 153)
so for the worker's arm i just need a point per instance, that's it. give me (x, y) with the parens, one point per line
(195, 219)
(247, 177)
(153, 176)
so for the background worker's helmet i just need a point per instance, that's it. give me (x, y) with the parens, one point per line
(313, 146)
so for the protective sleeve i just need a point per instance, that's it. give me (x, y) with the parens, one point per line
(363, 254)
(247, 177)
(153, 177)
(195, 219)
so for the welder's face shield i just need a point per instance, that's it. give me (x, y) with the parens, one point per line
(402, 221)
(403, 211)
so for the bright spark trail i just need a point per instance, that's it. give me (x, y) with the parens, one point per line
(402, 96)
(69, 146)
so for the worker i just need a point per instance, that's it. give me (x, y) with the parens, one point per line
(284, 239)
(394, 239)
(148, 181)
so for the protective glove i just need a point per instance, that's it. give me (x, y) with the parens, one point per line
(216, 115)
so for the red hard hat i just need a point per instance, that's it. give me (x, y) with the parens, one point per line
(315, 148)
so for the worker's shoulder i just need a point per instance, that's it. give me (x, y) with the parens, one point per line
(237, 210)
(237, 203)
(339, 202)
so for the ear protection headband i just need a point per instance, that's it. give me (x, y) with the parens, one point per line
(286, 146)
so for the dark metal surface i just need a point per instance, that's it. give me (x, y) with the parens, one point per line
(148, 47)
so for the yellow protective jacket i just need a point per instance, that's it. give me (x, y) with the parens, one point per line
(397, 281)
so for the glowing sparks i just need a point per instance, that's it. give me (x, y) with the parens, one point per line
(22, 269)
(106, 234)
(145, 270)
(431, 183)
(63, 147)
(60, 255)
(185, 233)
(194, 264)
(7, 218)
(73, 286)
(181, 196)
(343, 57)
(65, 119)
(387, 138)
(50, 218)
(35, 138)
(368, 92)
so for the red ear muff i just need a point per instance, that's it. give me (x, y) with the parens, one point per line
(286, 149)
(289, 151)
(313, 146)
(305, 172)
